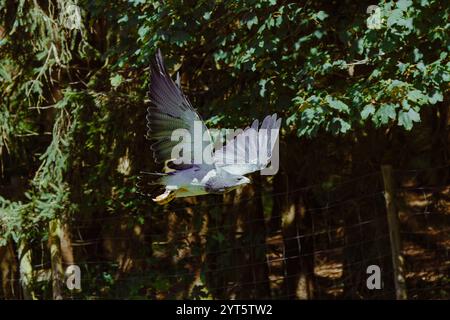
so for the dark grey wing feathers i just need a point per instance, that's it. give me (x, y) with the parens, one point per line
(171, 110)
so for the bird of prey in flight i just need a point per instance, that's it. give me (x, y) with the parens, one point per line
(170, 111)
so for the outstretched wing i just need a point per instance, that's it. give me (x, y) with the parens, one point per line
(251, 150)
(171, 110)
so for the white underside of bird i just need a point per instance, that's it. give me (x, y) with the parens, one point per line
(196, 181)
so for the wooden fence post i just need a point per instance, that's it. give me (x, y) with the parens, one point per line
(394, 233)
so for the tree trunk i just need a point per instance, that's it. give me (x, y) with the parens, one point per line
(26, 270)
(9, 272)
(365, 224)
(56, 258)
(254, 277)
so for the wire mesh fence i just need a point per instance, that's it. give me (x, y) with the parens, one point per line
(295, 245)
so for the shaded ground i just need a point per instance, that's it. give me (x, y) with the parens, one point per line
(425, 232)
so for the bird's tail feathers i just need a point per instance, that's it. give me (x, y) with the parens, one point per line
(150, 183)
(171, 166)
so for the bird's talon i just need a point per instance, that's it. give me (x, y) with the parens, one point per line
(164, 198)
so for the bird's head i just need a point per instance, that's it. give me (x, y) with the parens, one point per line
(223, 181)
(241, 180)
(235, 181)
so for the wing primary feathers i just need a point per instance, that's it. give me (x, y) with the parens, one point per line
(170, 110)
(261, 139)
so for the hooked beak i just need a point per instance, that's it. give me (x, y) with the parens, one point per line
(241, 182)
(244, 180)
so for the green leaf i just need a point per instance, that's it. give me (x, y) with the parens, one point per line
(116, 80)
(292, 119)
(404, 4)
(321, 15)
(207, 15)
(402, 66)
(214, 120)
(397, 84)
(338, 125)
(421, 66)
(408, 23)
(414, 115)
(337, 104)
(394, 16)
(367, 111)
(405, 104)
(5, 75)
(417, 55)
(417, 96)
(143, 30)
(251, 22)
(436, 97)
(406, 118)
(123, 19)
(386, 112)
(262, 85)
